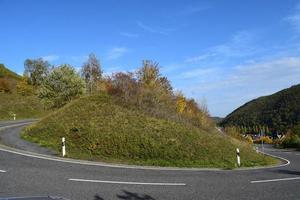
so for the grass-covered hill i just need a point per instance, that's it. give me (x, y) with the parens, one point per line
(24, 106)
(98, 128)
(279, 111)
(8, 79)
(6, 73)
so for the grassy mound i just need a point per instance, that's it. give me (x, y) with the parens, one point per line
(24, 106)
(98, 129)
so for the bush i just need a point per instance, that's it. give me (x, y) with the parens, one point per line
(291, 141)
(249, 139)
(265, 139)
(233, 132)
(24, 88)
(5, 85)
(151, 92)
(61, 86)
(296, 129)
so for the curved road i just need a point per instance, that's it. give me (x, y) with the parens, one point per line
(23, 174)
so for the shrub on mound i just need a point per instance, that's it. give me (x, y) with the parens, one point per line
(98, 129)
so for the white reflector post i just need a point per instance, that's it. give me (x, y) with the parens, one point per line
(238, 157)
(63, 145)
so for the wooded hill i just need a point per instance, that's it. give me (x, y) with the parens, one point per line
(278, 112)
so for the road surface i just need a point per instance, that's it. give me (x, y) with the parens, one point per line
(23, 174)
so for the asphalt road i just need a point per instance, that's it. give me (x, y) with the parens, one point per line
(23, 174)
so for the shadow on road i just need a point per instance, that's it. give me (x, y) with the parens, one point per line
(284, 171)
(97, 197)
(134, 196)
(128, 196)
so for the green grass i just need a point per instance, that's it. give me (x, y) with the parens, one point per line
(24, 106)
(98, 129)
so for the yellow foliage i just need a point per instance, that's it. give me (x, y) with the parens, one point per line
(24, 88)
(249, 139)
(265, 139)
(181, 104)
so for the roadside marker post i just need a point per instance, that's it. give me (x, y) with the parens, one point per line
(14, 115)
(63, 145)
(238, 157)
(262, 141)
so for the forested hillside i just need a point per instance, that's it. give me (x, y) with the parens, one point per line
(274, 113)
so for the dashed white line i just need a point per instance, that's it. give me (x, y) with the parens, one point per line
(126, 183)
(276, 180)
(2, 171)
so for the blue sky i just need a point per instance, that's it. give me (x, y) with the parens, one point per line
(226, 52)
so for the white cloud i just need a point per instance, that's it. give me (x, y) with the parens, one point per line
(116, 52)
(130, 35)
(157, 30)
(199, 58)
(294, 18)
(241, 44)
(285, 70)
(50, 58)
(193, 9)
(198, 73)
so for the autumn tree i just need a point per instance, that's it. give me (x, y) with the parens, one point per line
(154, 88)
(125, 85)
(181, 103)
(36, 70)
(91, 73)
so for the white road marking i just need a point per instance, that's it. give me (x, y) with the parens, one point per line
(2, 171)
(90, 163)
(127, 183)
(276, 180)
(280, 158)
(14, 125)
